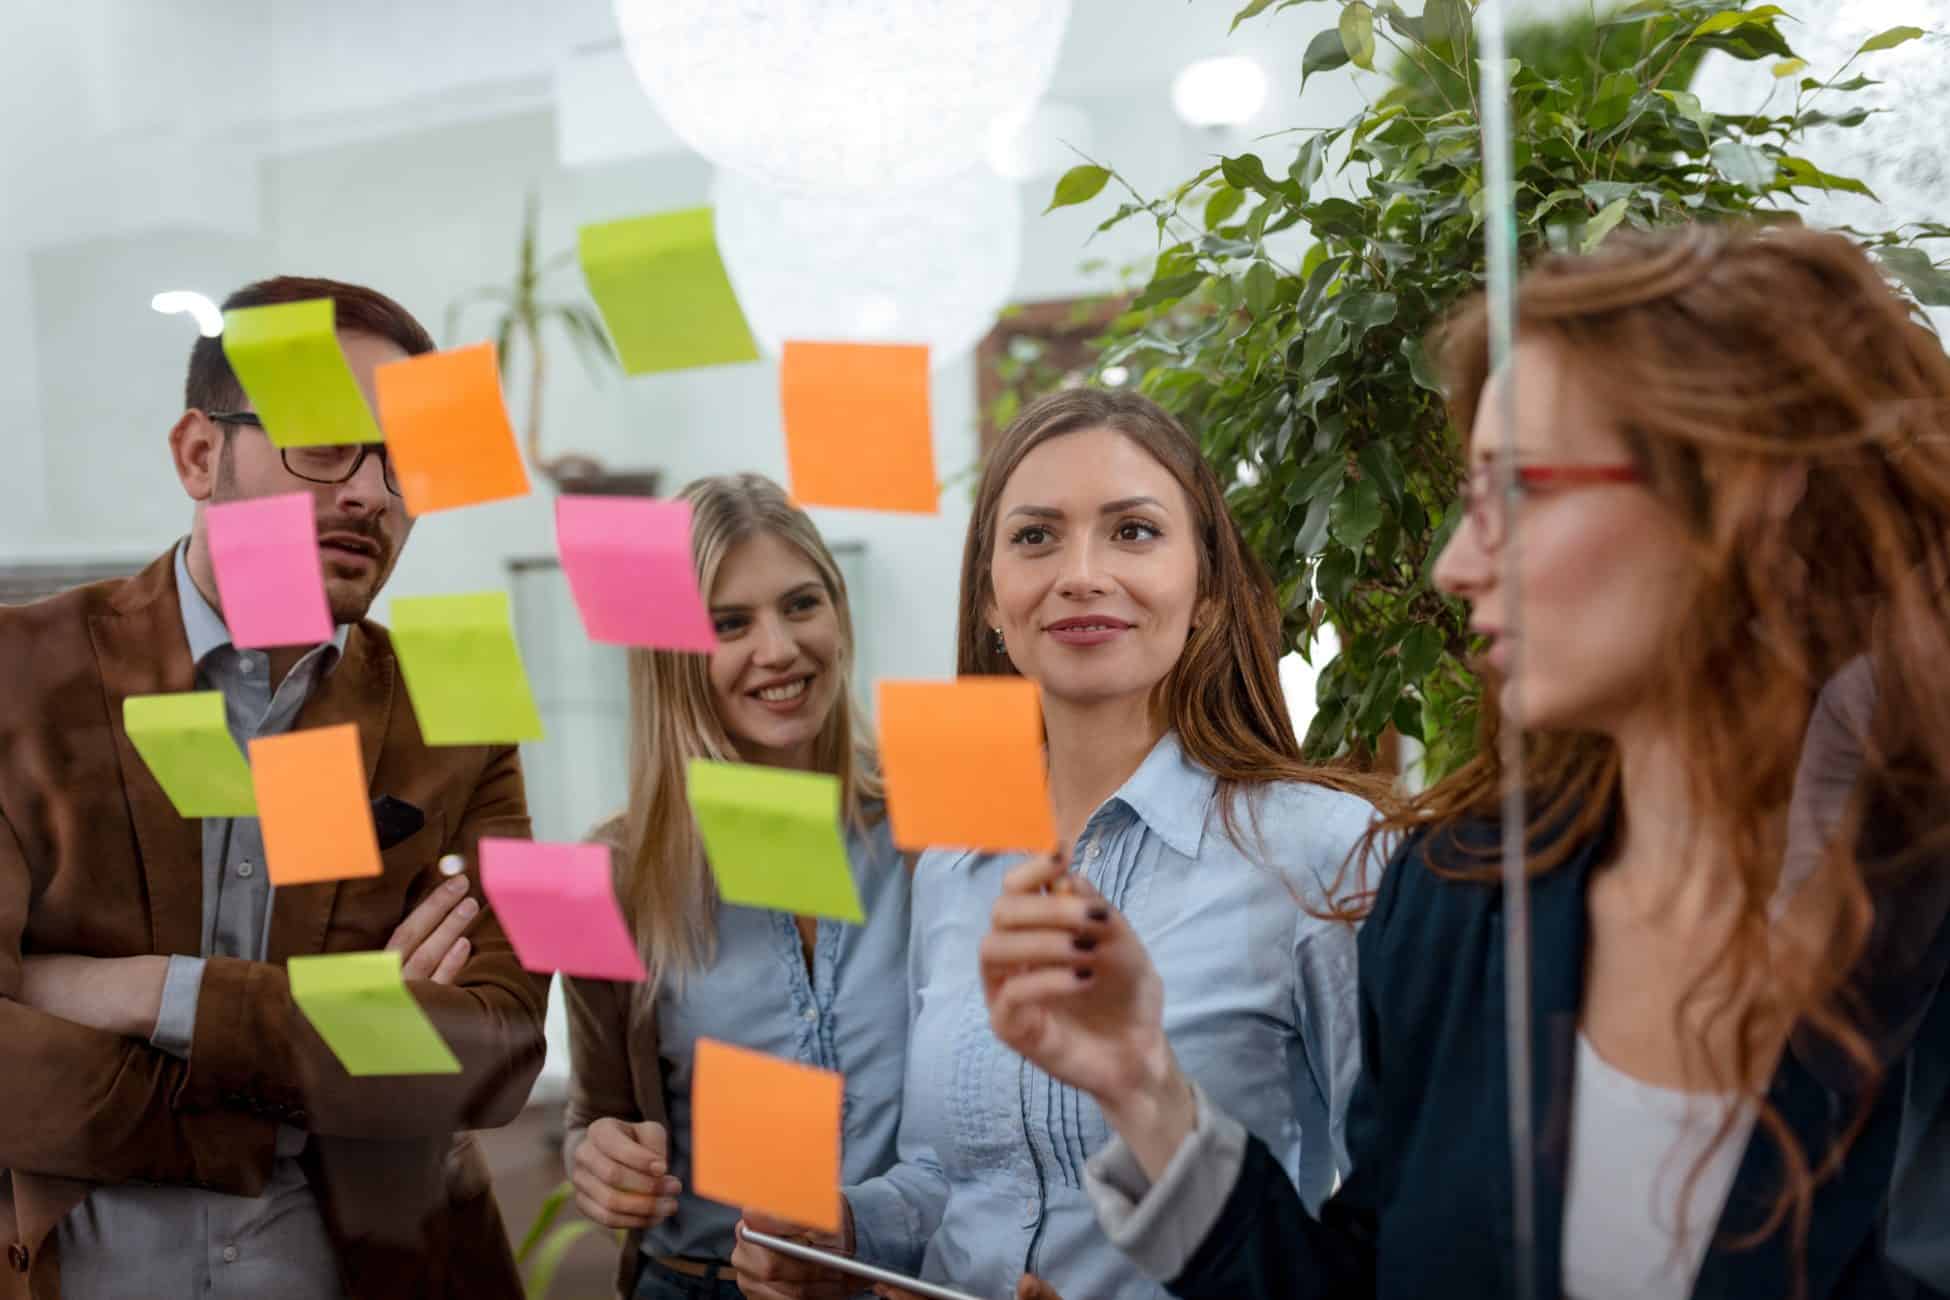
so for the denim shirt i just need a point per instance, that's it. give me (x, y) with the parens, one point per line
(850, 1015)
(1259, 1008)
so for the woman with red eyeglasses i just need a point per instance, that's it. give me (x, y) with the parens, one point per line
(1731, 487)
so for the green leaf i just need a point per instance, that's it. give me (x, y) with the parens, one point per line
(1420, 368)
(545, 1217)
(1262, 287)
(1319, 477)
(1928, 283)
(1356, 513)
(1408, 717)
(1168, 289)
(1799, 171)
(1601, 225)
(1224, 202)
(1421, 648)
(1788, 67)
(1446, 23)
(549, 1258)
(1364, 310)
(1890, 39)
(1688, 106)
(1728, 21)
(1078, 185)
(1325, 341)
(1324, 53)
(1257, 6)
(1334, 576)
(1247, 172)
(1357, 34)
(1743, 164)
(1379, 466)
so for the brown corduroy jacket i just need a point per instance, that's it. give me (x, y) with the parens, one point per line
(95, 861)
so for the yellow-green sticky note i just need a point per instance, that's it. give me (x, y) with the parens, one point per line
(463, 669)
(359, 1005)
(664, 293)
(772, 837)
(189, 749)
(287, 357)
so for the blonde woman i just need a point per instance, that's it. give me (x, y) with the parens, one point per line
(776, 692)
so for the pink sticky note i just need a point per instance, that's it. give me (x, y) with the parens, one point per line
(558, 908)
(629, 565)
(269, 577)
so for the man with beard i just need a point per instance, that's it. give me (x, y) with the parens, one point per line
(170, 1124)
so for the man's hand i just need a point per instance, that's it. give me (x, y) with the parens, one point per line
(117, 995)
(765, 1275)
(432, 939)
(622, 1174)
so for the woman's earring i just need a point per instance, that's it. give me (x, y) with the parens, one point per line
(1001, 647)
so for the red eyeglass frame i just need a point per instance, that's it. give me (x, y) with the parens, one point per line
(1549, 476)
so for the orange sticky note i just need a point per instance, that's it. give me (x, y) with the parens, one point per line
(447, 430)
(312, 806)
(857, 429)
(937, 736)
(765, 1134)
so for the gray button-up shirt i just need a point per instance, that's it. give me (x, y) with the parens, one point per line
(137, 1239)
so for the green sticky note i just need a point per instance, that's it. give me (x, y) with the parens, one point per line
(463, 669)
(773, 838)
(360, 1007)
(287, 357)
(189, 749)
(664, 293)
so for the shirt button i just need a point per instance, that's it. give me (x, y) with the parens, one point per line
(246, 667)
(230, 1254)
(245, 868)
(1091, 852)
(810, 1014)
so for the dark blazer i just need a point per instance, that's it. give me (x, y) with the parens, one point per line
(1427, 1209)
(95, 861)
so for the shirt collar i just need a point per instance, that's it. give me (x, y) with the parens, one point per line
(205, 627)
(1171, 795)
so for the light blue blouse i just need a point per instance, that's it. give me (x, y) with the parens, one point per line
(1259, 1008)
(850, 1015)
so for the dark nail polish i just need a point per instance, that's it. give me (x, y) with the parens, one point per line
(1098, 914)
(1084, 973)
(1083, 943)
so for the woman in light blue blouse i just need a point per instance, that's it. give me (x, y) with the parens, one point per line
(1101, 564)
(775, 691)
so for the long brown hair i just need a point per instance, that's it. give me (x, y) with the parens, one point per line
(1794, 414)
(1223, 695)
(665, 887)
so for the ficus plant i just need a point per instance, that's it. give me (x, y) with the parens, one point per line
(1305, 373)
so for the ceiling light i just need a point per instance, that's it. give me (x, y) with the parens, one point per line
(176, 301)
(1225, 91)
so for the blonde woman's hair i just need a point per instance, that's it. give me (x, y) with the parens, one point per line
(664, 883)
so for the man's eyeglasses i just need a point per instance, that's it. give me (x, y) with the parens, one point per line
(319, 464)
(1482, 495)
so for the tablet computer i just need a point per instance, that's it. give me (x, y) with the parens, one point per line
(857, 1268)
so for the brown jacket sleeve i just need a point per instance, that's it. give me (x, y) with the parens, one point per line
(80, 1103)
(254, 1050)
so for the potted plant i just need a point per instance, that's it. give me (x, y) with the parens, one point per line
(524, 312)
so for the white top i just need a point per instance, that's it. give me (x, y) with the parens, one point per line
(1632, 1147)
